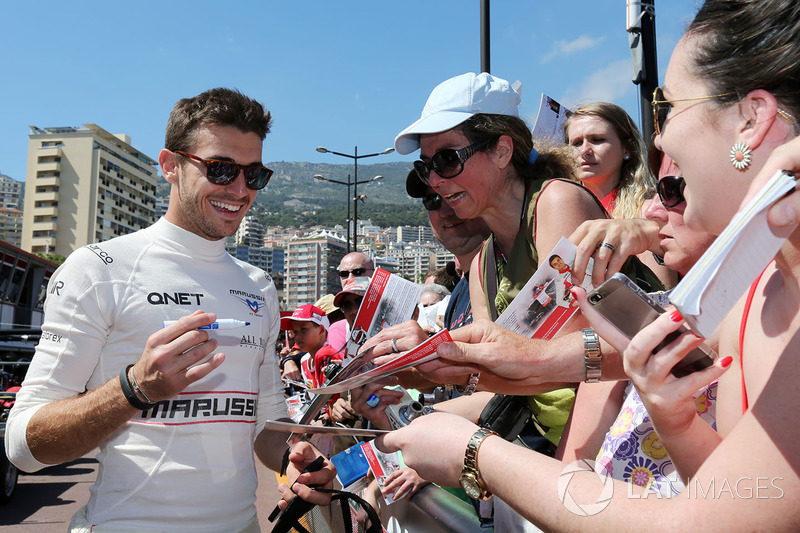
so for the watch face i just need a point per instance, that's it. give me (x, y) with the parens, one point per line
(470, 486)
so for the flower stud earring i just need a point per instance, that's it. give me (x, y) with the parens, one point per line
(741, 156)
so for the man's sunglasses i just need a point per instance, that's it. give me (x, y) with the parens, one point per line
(221, 172)
(350, 303)
(662, 107)
(449, 163)
(432, 201)
(670, 190)
(356, 272)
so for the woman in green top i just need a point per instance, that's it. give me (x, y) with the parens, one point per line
(478, 155)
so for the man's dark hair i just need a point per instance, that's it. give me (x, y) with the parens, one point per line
(553, 258)
(215, 107)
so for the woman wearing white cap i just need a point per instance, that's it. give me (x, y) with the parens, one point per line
(478, 155)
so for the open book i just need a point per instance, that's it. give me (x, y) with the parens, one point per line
(716, 282)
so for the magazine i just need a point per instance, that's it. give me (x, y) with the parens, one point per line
(730, 265)
(545, 303)
(382, 464)
(389, 300)
(550, 119)
(425, 351)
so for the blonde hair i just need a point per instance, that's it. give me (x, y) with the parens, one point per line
(636, 182)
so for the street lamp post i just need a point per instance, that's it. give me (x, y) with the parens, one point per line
(349, 198)
(355, 157)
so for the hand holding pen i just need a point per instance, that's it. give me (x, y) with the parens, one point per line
(174, 357)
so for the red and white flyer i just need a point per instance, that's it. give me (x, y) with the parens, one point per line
(545, 303)
(389, 300)
(381, 464)
(424, 351)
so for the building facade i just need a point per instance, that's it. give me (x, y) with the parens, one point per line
(84, 185)
(11, 192)
(311, 264)
(11, 226)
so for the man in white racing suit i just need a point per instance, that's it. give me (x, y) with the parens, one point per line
(175, 410)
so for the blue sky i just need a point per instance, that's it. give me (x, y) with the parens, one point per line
(334, 73)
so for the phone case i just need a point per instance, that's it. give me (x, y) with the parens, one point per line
(630, 309)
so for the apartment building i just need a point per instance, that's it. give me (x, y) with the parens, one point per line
(84, 185)
(415, 234)
(11, 192)
(311, 264)
(11, 226)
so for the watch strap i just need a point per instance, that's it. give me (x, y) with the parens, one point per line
(592, 358)
(471, 385)
(471, 458)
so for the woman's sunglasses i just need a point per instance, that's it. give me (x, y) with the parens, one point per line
(221, 172)
(662, 107)
(449, 163)
(670, 190)
(432, 201)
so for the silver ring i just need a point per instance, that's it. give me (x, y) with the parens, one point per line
(394, 346)
(608, 245)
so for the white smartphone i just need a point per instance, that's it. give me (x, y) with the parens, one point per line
(629, 309)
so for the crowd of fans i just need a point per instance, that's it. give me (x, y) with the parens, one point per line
(592, 394)
(509, 418)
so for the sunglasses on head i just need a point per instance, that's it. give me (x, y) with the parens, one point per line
(221, 172)
(449, 163)
(662, 107)
(670, 190)
(432, 201)
(356, 272)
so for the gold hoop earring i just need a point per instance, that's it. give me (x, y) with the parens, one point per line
(741, 156)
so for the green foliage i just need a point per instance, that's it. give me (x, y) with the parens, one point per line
(53, 258)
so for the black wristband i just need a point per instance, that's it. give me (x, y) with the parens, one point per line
(127, 390)
(295, 357)
(285, 461)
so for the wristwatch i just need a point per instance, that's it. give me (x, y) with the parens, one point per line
(470, 479)
(592, 358)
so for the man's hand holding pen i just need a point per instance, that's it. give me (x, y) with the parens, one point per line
(176, 356)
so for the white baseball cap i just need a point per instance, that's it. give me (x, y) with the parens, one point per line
(455, 100)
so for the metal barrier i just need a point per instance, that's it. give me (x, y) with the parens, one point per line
(431, 510)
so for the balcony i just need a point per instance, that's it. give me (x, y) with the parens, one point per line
(49, 226)
(45, 211)
(48, 166)
(42, 243)
(49, 181)
(47, 196)
(50, 151)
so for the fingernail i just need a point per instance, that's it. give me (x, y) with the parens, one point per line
(675, 316)
(726, 361)
(784, 215)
